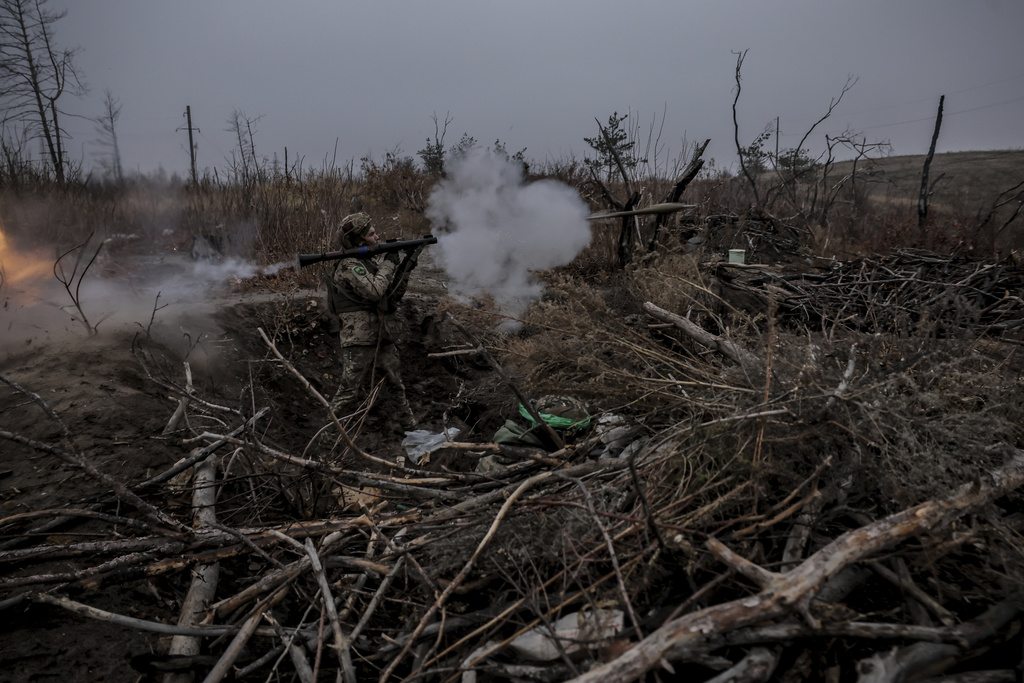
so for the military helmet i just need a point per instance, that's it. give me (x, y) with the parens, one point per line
(353, 229)
(566, 414)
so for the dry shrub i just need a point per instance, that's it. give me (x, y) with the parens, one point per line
(594, 341)
(945, 418)
(273, 221)
(913, 420)
(672, 281)
(395, 182)
(31, 221)
(574, 342)
(681, 283)
(571, 171)
(559, 346)
(64, 217)
(892, 438)
(699, 476)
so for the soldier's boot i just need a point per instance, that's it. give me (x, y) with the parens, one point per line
(404, 417)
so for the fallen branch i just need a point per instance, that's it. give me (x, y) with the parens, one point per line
(342, 648)
(758, 665)
(205, 631)
(915, 593)
(183, 402)
(931, 659)
(234, 649)
(205, 577)
(794, 589)
(752, 366)
(464, 572)
(199, 455)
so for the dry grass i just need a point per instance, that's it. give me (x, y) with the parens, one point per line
(969, 180)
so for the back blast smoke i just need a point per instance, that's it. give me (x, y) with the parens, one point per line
(164, 294)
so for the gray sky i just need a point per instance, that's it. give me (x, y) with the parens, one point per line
(368, 76)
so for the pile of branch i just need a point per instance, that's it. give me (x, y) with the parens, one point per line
(909, 292)
(568, 565)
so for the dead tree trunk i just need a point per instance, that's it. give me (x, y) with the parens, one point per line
(687, 176)
(922, 201)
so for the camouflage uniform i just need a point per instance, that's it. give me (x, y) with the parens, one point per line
(364, 294)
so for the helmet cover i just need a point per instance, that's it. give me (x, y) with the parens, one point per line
(353, 229)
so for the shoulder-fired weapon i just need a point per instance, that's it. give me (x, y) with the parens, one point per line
(303, 260)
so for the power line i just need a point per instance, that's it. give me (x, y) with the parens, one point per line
(932, 99)
(928, 118)
(927, 99)
(948, 114)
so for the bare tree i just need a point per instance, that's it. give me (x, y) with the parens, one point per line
(34, 74)
(792, 166)
(740, 152)
(247, 167)
(433, 154)
(106, 126)
(14, 165)
(830, 189)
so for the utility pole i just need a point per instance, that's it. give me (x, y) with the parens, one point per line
(191, 144)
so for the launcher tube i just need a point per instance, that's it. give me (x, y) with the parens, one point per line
(303, 260)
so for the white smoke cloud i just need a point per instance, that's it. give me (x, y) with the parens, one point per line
(116, 292)
(500, 228)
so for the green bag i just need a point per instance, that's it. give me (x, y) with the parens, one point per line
(565, 414)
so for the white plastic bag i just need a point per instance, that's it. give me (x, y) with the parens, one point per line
(422, 443)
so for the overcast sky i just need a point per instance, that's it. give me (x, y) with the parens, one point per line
(338, 79)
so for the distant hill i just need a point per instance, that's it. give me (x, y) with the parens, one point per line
(967, 182)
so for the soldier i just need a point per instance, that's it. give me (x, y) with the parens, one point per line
(364, 294)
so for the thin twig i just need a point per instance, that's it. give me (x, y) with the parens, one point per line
(627, 604)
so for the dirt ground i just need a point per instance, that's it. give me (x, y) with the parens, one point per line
(110, 392)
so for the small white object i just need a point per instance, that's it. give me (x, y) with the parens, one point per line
(421, 442)
(736, 256)
(573, 633)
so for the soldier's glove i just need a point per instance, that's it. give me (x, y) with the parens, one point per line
(394, 257)
(413, 256)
